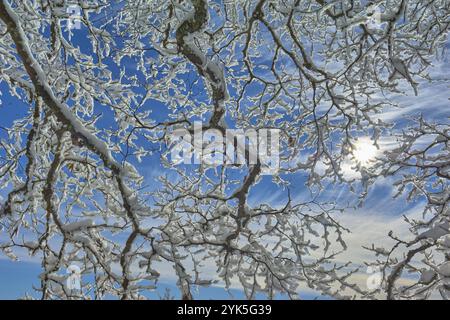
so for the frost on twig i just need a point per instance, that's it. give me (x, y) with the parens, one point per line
(72, 186)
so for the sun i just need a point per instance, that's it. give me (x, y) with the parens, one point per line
(364, 152)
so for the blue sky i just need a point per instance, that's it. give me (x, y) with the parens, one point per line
(18, 278)
(370, 223)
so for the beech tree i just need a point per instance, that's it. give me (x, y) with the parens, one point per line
(108, 93)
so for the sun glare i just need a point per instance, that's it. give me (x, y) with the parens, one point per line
(365, 152)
